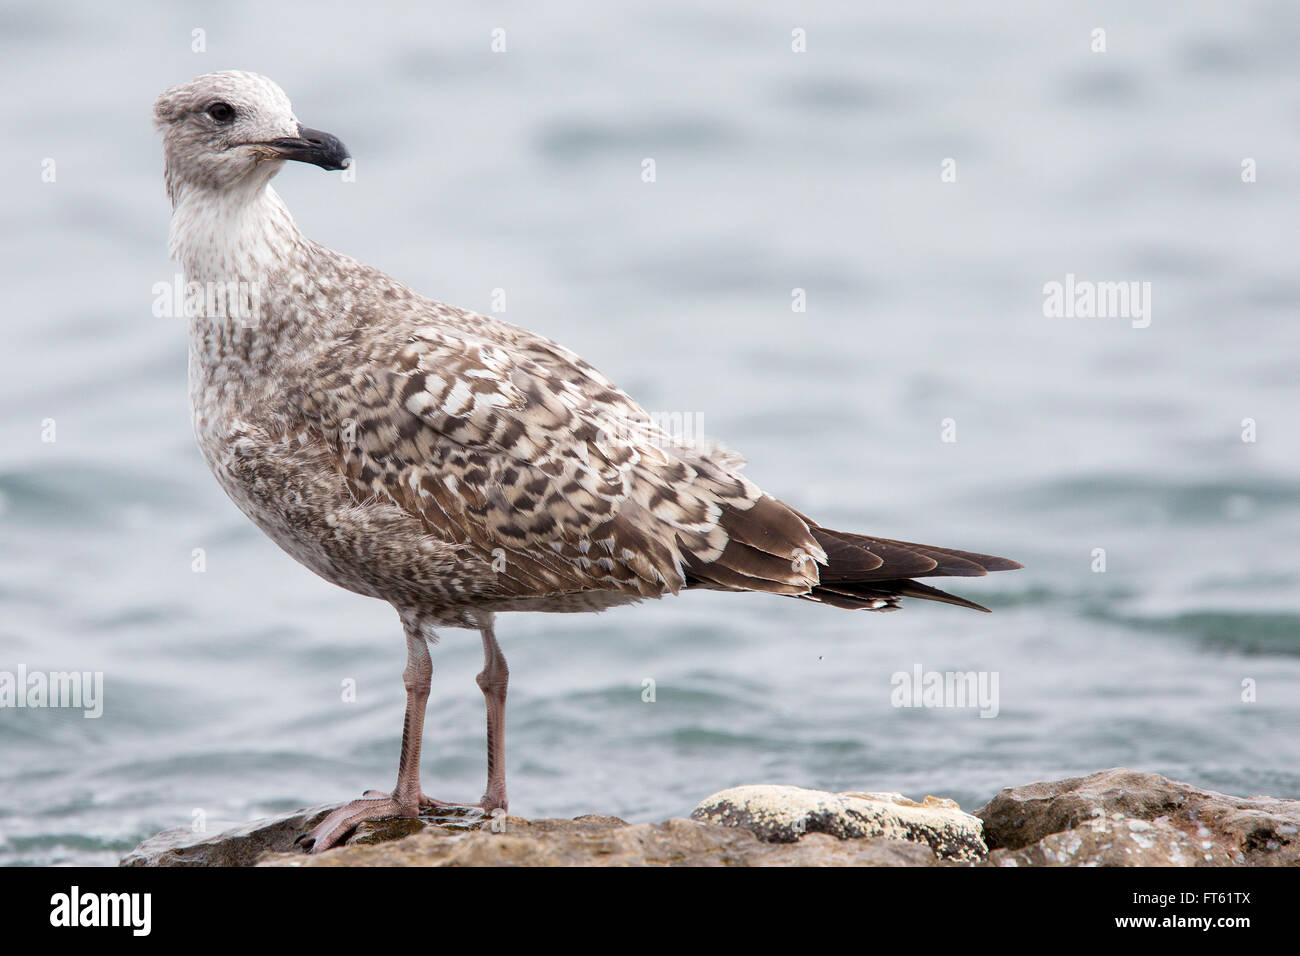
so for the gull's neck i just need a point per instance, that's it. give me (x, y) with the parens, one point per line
(243, 259)
(233, 235)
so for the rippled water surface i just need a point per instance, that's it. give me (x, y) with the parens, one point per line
(774, 171)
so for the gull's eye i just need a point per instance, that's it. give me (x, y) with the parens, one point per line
(221, 112)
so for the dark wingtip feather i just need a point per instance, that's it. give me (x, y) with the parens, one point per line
(1003, 564)
(915, 589)
(852, 578)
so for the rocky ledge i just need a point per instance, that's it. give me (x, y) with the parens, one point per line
(1113, 818)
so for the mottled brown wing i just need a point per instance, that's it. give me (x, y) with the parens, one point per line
(526, 456)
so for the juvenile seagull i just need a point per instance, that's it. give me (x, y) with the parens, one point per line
(449, 463)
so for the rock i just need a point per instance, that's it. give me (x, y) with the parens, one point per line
(1122, 818)
(239, 846)
(244, 844)
(607, 841)
(1113, 818)
(786, 814)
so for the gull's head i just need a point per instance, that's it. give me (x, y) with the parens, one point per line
(232, 131)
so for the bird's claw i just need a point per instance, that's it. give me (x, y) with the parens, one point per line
(377, 805)
(336, 826)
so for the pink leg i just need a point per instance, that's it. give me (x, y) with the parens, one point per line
(492, 681)
(405, 799)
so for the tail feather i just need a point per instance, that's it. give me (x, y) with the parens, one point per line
(771, 547)
(885, 596)
(866, 573)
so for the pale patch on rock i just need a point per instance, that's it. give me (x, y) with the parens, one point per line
(782, 814)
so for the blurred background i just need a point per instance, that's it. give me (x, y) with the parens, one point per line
(775, 170)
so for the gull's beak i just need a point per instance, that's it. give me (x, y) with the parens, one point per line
(311, 146)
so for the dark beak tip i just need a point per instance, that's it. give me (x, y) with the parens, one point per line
(316, 147)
